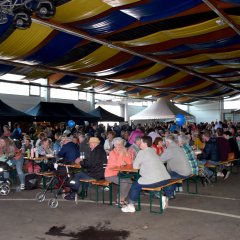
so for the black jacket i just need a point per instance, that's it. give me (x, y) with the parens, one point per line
(94, 164)
(234, 147)
(210, 151)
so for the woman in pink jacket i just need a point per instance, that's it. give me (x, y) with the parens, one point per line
(119, 156)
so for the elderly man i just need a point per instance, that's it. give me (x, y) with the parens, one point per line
(183, 142)
(93, 165)
(176, 160)
(134, 148)
(69, 150)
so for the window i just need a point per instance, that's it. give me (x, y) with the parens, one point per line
(63, 94)
(13, 88)
(82, 96)
(35, 90)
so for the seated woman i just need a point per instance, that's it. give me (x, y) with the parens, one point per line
(119, 156)
(10, 150)
(158, 145)
(45, 150)
(197, 140)
(108, 144)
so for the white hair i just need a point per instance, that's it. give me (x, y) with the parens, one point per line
(183, 139)
(118, 140)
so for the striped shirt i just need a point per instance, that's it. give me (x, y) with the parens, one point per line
(191, 158)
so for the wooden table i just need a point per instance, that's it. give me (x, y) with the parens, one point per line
(126, 168)
(75, 165)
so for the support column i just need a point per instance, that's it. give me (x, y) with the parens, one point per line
(122, 110)
(126, 116)
(45, 91)
(221, 107)
(91, 99)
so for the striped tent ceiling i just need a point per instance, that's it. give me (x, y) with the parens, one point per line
(184, 50)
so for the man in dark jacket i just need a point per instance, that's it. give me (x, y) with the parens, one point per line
(210, 152)
(94, 165)
(69, 150)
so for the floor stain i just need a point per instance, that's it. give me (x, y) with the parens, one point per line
(99, 232)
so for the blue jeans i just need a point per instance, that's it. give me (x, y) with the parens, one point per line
(77, 177)
(19, 167)
(175, 175)
(207, 170)
(137, 187)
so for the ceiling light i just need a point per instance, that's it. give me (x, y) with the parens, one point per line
(45, 9)
(22, 19)
(220, 22)
(12, 77)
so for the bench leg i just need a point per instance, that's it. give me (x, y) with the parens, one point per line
(160, 202)
(139, 203)
(192, 180)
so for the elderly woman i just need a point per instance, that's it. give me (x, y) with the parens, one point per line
(108, 144)
(119, 156)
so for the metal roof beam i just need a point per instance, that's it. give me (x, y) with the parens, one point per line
(213, 6)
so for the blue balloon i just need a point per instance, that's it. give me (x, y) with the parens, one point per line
(180, 119)
(71, 123)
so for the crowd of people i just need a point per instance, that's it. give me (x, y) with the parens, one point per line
(161, 152)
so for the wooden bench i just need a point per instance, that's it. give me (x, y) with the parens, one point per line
(83, 182)
(219, 164)
(103, 184)
(158, 190)
(191, 179)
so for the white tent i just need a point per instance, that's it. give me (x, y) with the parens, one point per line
(161, 109)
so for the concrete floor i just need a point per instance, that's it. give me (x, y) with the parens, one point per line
(212, 214)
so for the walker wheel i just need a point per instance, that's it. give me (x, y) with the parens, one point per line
(4, 189)
(53, 203)
(40, 197)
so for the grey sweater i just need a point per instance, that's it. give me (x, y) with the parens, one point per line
(152, 170)
(176, 160)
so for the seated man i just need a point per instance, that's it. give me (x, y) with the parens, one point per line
(176, 160)
(134, 148)
(69, 150)
(183, 142)
(153, 174)
(210, 152)
(93, 165)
